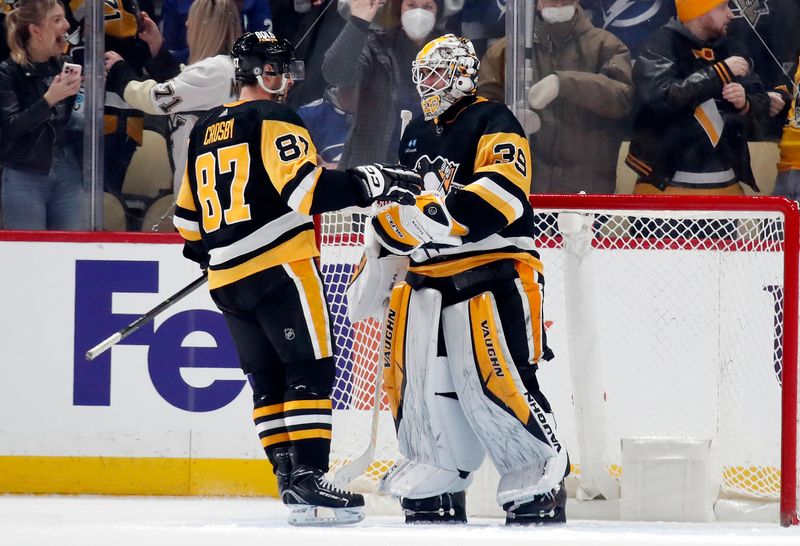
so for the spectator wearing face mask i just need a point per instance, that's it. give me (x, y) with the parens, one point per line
(378, 62)
(581, 94)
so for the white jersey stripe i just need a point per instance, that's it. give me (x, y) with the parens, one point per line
(492, 242)
(259, 238)
(187, 225)
(303, 189)
(270, 425)
(308, 420)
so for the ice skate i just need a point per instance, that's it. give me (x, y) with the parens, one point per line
(545, 509)
(444, 508)
(312, 500)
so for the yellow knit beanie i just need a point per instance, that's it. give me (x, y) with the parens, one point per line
(689, 9)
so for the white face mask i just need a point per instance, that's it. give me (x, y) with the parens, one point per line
(558, 15)
(417, 22)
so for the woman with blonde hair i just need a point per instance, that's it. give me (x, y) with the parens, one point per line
(42, 177)
(211, 28)
(208, 81)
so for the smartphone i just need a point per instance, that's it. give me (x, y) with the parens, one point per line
(137, 14)
(71, 68)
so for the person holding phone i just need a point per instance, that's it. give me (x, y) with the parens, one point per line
(42, 177)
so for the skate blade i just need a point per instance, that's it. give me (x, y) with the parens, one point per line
(306, 515)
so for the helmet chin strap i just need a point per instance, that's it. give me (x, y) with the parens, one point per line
(280, 92)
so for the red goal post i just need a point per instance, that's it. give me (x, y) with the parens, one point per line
(678, 288)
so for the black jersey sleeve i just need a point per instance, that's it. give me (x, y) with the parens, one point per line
(497, 194)
(187, 222)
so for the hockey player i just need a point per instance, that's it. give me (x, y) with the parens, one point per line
(244, 207)
(182, 94)
(464, 333)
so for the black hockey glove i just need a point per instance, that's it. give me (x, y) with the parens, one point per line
(388, 182)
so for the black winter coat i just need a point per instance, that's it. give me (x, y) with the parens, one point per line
(31, 130)
(673, 74)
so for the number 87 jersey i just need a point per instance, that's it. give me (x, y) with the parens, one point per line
(250, 187)
(477, 155)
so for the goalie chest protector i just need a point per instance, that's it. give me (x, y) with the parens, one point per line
(477, 142)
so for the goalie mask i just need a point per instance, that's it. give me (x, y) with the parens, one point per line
(445, 70)
(253, 50)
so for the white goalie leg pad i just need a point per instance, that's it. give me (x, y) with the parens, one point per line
(519, 436)
(368, 292)
(415, 480)
(439, 447)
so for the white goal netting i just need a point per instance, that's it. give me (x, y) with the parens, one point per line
(664, 324)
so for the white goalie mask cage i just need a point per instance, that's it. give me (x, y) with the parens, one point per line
(445, 70)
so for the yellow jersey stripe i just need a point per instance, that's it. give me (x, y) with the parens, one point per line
(273, 439)
(707, 125)
(459, 265)
(192, 235)
(318, 326)
(264, 411)
(507, 204)
(310, 434)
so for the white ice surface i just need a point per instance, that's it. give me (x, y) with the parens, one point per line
(149, 521)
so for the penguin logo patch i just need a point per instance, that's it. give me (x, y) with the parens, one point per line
(438, 173)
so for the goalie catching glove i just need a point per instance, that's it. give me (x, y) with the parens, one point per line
(402, 229)
(388, 182)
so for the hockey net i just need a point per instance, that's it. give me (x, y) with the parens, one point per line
(670, 317)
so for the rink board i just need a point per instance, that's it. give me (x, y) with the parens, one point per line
(166, 411)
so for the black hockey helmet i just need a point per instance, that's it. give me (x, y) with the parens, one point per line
(252, 50)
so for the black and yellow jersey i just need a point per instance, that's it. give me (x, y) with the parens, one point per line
(119, 16)
(478, 156)
(250, 187)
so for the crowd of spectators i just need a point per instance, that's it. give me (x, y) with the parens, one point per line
(674, 89)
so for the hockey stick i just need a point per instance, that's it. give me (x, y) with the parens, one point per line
(766, 47)
(360, 464)
(405, 119)
(116, 337)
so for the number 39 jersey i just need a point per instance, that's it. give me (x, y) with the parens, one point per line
(477, 155)
(250, 186)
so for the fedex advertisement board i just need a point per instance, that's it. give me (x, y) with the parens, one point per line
(173, 389)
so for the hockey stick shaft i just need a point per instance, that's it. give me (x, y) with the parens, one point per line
(116, 337)
(360, 464)
(766, 47)
(405, 119)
